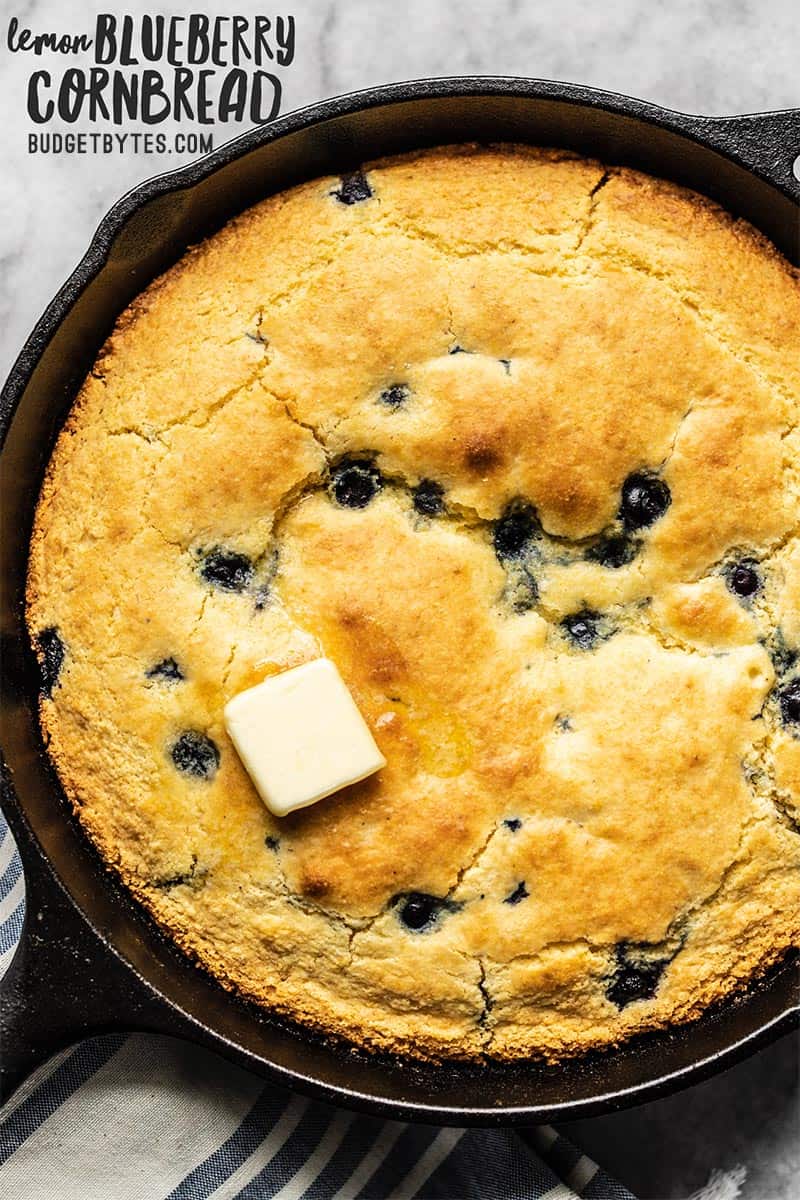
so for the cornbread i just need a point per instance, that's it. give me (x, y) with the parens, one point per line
(512, 438)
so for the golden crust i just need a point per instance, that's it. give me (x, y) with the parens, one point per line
(610, 825)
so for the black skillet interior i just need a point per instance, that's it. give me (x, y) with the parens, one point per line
(90, 959)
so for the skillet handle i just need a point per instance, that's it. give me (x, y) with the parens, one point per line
(64, 983)
(768, 144)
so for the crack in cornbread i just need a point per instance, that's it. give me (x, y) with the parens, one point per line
(512, 437)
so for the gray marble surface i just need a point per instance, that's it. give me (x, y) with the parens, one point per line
(713, 56)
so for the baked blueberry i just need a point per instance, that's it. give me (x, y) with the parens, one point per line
(789, 697)
(645, 498)
(353, 188)
(428, 497)
(515, 530)
(520, 892)
(167, 669)
(272, 843)
(355, 483)
(614, 551)
(418, 910)
(195, 754)
(634, 980)
(783, 656)
(395, 395)
(743, 578)
(513, 823)
(227, 569)
(50, 655)
(582, 628)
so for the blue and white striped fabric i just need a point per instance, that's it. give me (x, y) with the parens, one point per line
(139, 1117)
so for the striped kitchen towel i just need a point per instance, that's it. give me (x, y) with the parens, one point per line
(139, 1117)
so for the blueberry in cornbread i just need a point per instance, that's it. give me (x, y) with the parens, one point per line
(634, 979)
(615, 551)
(195, 754)
(418, 911)
(50, 654)
(582, 628)
(226, 569)
(356, 483)
(790, 702)
(353, 189)
(167, 670)
(395, 395)
(519, 893)
(428, 498)
(744, 579)
(645, 498)
(515, 531)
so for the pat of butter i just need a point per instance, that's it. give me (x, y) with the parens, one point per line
(301, 736)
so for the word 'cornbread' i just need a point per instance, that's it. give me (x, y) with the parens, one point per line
(513, 439)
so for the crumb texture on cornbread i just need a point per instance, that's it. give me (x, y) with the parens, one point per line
(512, 438)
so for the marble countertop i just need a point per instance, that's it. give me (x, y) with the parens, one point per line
(712, 56)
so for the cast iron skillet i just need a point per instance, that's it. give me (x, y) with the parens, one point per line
(90, 959)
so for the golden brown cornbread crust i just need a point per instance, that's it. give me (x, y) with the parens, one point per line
(644, 790)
